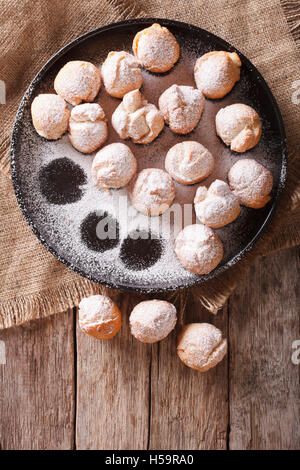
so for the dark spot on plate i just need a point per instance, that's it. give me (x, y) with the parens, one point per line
(100, 231)
(140, 250)
(61, 181)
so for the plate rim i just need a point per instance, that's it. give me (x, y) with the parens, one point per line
(141, 289)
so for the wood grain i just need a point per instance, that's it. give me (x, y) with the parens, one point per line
(37, 385)
(264, 383)
(113, 389)
(189, 409)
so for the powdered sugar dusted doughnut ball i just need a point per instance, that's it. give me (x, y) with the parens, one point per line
(156, 48)
(201, 346)
(99, 317)
(198, 248)
(216, 73)
(113, 166)
(50, 115)
(251, 182)
(87, 127)
(216, 206)
(152, 191)
(189, 162)
(121, 73)
(182, 107)
(239, 126)
(137, 119)
(78, 81)
(152, 320)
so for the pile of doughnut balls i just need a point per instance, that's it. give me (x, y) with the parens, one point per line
(152, 191)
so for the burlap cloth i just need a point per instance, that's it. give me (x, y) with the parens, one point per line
(33, 283)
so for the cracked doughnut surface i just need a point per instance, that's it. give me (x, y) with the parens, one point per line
(239, 126)
(216, 206)
(152, 191)
(78, 81)
(251, 182)
(121, 73)
(217, 72)
(156, 48)
(198, 248)
(87, 127)
(182, 108)
(137, 119)
(201, 346)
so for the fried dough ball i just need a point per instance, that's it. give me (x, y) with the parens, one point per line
(239, 126)
(99, 317)
(251, 183)
(156, 48)
(50, 115)
(121, 73)
(78, 81)
(87, 127)
(152, 320)
(152, 191)
(217, 72)
(198, 248)
(216, 206)
(201, 346)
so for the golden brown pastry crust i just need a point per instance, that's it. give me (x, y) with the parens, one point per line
(201, 346)
(239, 126)
(217, 72)
(156, 48)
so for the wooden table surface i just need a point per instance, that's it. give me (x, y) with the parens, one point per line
(60, 389)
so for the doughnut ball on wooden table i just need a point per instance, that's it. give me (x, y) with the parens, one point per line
(50, 115)
(113, 166)
(217, 72)
(216, 206)
(156, 48)
(198, 248)
(87, 127)
(189, 162)
(152, 320)
(251, 183)
(137, 119)
(99, 317)
(152, 191)
(121, 73)
(78, 81)
(182, 108)
(201, 346)
(239, 126)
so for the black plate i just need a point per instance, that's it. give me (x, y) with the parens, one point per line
(59, 225)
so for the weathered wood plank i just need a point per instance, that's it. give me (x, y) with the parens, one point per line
(37, 385)
(113, 388)
(264, 383)
(188, 408)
